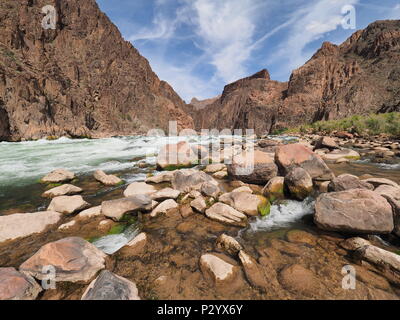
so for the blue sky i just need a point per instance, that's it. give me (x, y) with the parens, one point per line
(199, 46)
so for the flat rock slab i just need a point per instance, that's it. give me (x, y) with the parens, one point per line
(15, 285)
(107, 179)
(64, 190)
(225, 214)
(74, 259)
(109, 286)
(90, 213)
(164, 207)
(58, 176)
(348, 182)
(161, 178)
(116, 209)
(22, 225)
(165, 194)
(139, 188)
(68, 204)
(243, 201)
(187, 180)
(354, 211)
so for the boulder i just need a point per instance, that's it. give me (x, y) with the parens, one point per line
(392, 195)
(243, 201)
(177, 156)
(227, 215)
(165, 194)
(348, 182)
(326, 142)
(188, 180)
(274, 190)
(199, 204)
(15, 285)
(20, 225)
(376, 182)
(161, 178)
(213, 168)
(107, 180)
(299, 183)
(90, 213)
(253, 167)
(110, 287)
(68, 204)
(293, 156)
(74, 259)
(164, 207)
(116, 209)
(219, 272)
(58, 176)
(64, 190)
(220, 175)
(135, 246)
(354, 211)
(139, 188)
(254, 272)
(210, 189)
(228, 244)
(354, 244)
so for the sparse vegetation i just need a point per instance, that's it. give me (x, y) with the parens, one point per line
(373, 124)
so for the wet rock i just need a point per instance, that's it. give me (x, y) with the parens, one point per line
(256, 168)
(298, 279)
(293, 156)
(164, 194)
(274, 190)
(348, 182)
(108, 286)
(243, 201)
(377, 182)
(58, 176)
(253, 271)
(20, 225)
(380, 257)
(116, 209)
(199, 204)
(214, 168)
(135, 246)
(164, 207)
(343, 153)
(161, 178)
(107, 180)
(15, 285)
(177, 155)
(68, 204)
(299, 183)
(186, 211)
(139, 188)
(64, 190)
(210, 189)
(299, 236)
(225, 214)
(229, 245)
(356, 210)
(222, 274)
(67, 226)
(89, 213)
(188, 180)
(326, 142)
(354, 244)
(74, 259)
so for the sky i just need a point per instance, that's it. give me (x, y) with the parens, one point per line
(199, 46)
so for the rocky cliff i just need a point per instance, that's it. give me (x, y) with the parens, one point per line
(81, 79)
(361, 76)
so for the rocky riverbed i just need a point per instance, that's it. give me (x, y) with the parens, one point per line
(129, 224)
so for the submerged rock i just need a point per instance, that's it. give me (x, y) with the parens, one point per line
(135, 246)
(348, 182)
(107, 180)
(354, 211)
(253, 167)
(15, 285)
(254, 272)
(299, 183)
(293, 156)
(228, 244)
(300, 280)
(68, 204)
(108, 286)
(20, 225)
(74, 259)
(58, 176)
(116, 209)
(64, 190)
(225, 214)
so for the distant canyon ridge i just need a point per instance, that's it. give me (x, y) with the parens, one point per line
(84, 80)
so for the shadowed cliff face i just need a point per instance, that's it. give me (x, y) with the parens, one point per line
(81, 79)
(361, 76)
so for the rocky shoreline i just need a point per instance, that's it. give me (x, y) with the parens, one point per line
(190, 220)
